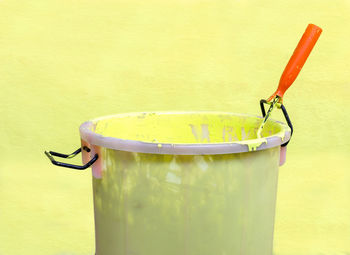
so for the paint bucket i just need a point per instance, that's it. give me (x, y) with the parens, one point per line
(183, 182)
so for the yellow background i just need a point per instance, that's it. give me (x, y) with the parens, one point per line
(64, 62)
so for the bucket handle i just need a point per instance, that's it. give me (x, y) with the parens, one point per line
(50, 155)
(285, 113)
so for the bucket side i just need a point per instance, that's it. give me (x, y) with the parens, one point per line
(185, 204)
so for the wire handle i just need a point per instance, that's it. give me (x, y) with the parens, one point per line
(50, 155)
(285, 113)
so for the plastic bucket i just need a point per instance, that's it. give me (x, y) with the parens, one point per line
(171, 183)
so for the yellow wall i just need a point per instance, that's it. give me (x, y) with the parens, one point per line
(63, 62)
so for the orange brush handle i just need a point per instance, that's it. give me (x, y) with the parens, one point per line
(296, 62)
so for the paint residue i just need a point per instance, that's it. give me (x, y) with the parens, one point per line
(199, 128)
(254, 143)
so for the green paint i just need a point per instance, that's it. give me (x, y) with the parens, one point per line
(197, 127)
(282, 135)
(254, 144)
(272, 106)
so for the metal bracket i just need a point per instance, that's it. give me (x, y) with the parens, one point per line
(50, 155)
(286, 116)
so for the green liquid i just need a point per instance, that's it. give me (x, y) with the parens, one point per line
(272, 106)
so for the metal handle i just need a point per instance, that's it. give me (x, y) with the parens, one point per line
(286, 116)
(50, 155)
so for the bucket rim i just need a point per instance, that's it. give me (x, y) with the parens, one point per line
(257, 144)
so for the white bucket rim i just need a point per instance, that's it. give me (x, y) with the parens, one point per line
(115, 143)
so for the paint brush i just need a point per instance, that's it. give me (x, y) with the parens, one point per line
(291, 71)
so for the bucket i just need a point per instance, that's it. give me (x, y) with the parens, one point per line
(171, 183)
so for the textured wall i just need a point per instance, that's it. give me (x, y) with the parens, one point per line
(63, 62)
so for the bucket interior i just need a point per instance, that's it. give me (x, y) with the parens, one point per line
(184, 128)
